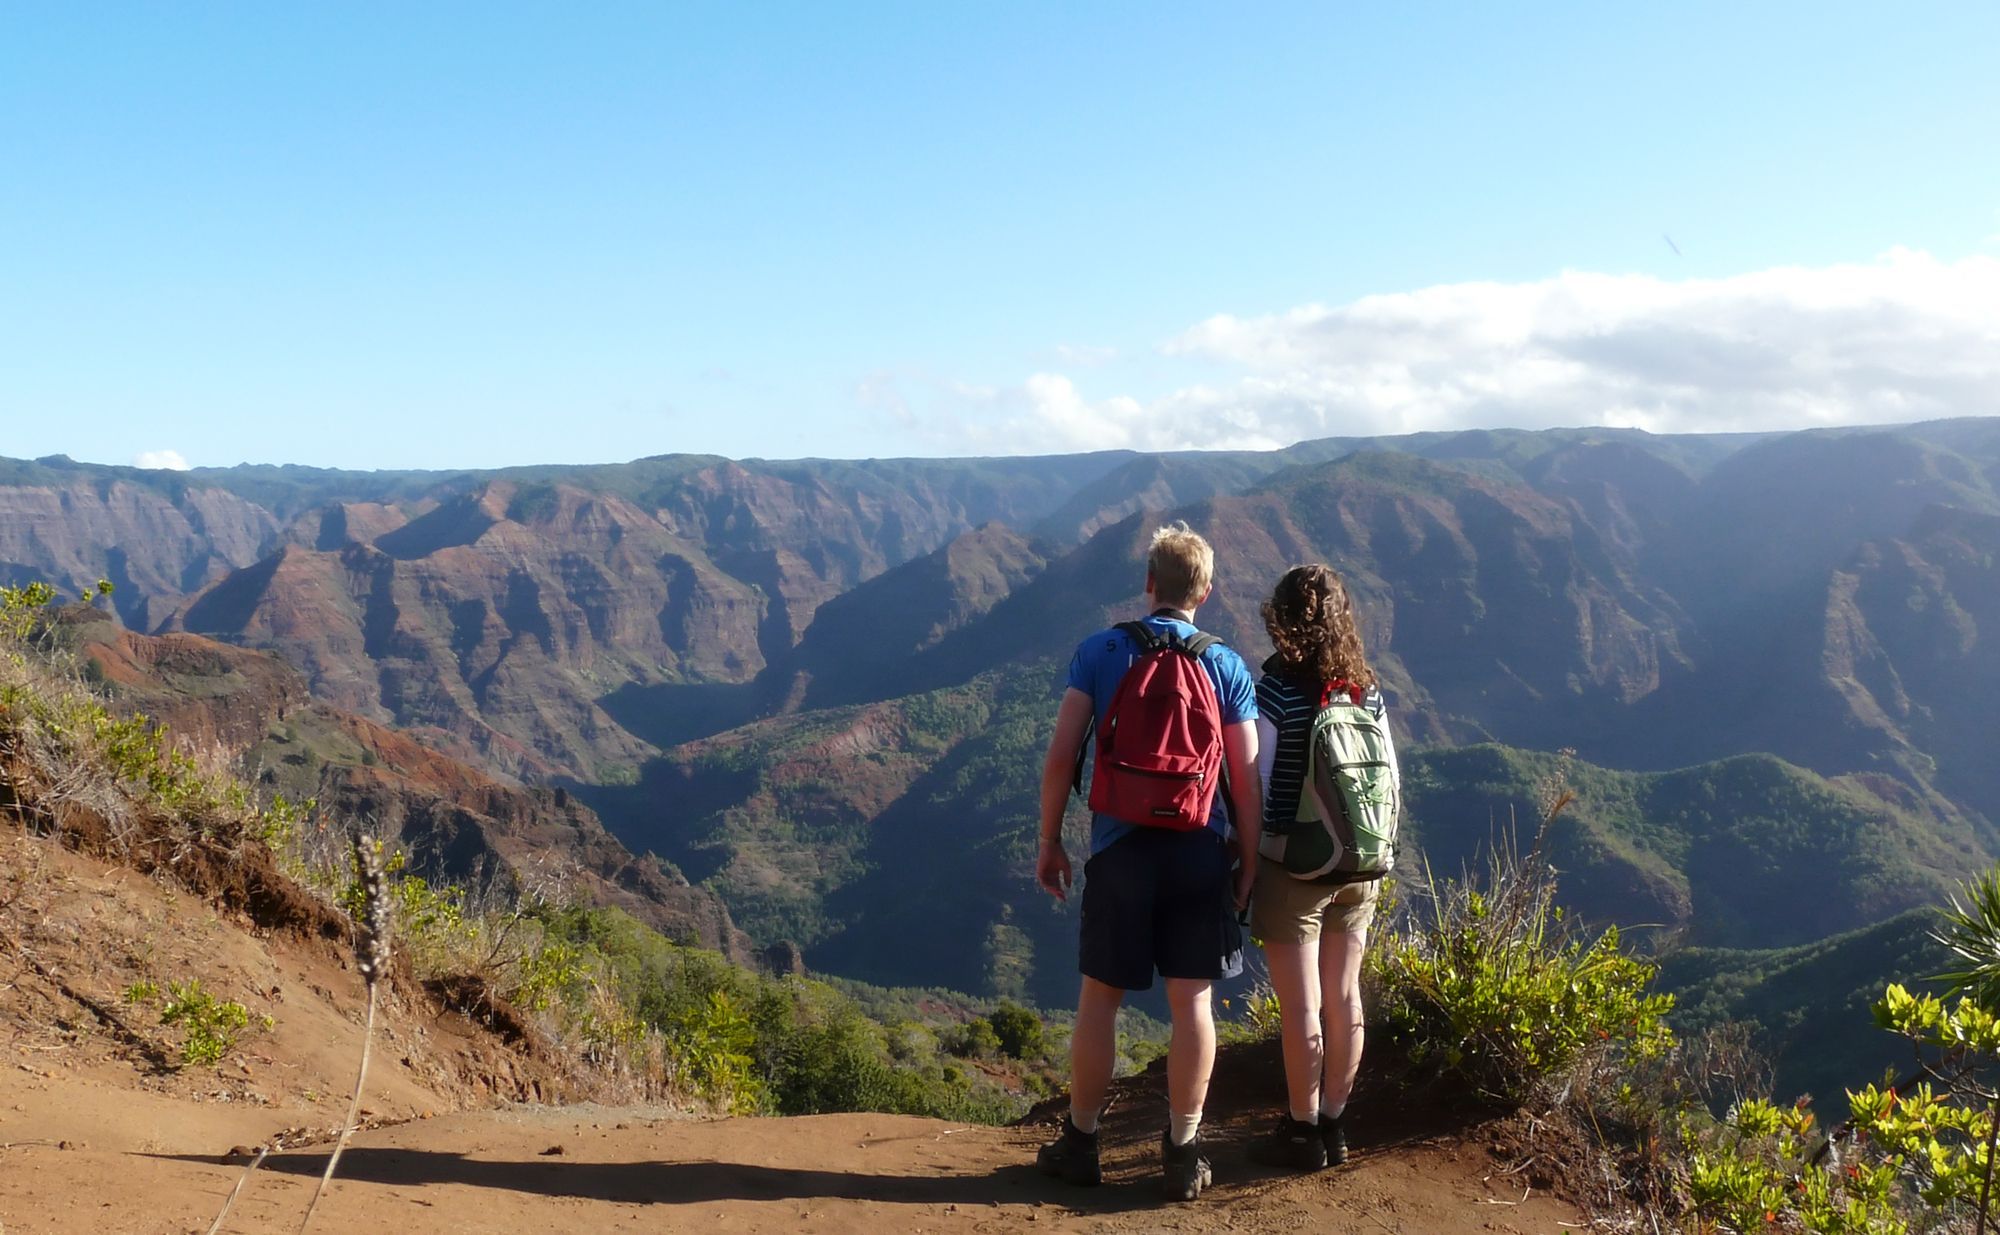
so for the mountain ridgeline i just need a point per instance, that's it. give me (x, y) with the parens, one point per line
(819, 690)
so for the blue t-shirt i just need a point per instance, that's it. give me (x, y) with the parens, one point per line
(1101, 661)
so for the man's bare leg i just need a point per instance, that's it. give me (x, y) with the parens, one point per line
(1190, 1052)
(1093, 1051)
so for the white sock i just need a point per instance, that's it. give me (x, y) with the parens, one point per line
(1085, 1121)
(1181, 1128)
(1310, 1117)
(1330, 1111)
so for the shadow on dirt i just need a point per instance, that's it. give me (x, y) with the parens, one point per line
(680, 1183)
(1247, 1088)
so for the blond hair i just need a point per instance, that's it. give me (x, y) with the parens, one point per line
(1181, 565)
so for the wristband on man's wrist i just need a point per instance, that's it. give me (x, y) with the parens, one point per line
(1052, 840)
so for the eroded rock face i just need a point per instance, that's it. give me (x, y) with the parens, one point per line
(459, 823)
(1909, 650)
(502, 610)
(501, 631)
(157, 549)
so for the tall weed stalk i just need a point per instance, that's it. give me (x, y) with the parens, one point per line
(371, 952)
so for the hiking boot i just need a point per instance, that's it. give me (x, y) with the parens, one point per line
(1333, 1135)
(1184, 1171)
(1072, 1157)
(1291, 1145)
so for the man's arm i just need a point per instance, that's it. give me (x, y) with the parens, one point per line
(1052, 869)
(1246, 794)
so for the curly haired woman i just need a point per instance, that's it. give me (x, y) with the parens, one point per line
(1314, 933)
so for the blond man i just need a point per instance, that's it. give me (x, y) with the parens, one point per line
(1156, 899)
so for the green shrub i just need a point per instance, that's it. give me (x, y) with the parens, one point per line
(47, 711)
(551, 973)
(1754, 1172)
(209, 1025)
(710, 1047)
(743, 1041)
(1912, 1156)
(1487, 980)
(975, 1039)
(1513, 1003)
(1257, 1015)
(430, 920)
(1017, 1031)
(21, 609)
(1940, 1131)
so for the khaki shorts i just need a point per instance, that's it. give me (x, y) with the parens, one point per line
(1288, 910)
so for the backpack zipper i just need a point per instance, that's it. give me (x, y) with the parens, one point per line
(1126, 767)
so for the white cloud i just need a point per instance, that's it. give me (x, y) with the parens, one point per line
(161, 460)
(1045, 414)
(1905, 337)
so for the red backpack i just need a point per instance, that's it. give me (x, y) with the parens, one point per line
(1159, 750)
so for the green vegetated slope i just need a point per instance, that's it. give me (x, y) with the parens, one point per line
(1808, 1007)
(891, 841)
(1745, 852)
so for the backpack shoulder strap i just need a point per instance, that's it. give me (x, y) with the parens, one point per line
(1199, 643)
(1076, 772)
(1143, 635)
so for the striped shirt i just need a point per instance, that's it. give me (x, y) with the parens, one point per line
(1285, 712)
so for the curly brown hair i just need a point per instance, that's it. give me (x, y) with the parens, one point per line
(1311, 621)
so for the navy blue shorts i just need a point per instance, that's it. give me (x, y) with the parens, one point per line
(1160, 900)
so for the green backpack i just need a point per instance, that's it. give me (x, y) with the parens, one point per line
(1345, 827)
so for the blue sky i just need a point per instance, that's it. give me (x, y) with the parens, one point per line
(395, 235)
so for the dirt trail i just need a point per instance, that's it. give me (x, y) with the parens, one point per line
(606, 1169)
(534, 1169)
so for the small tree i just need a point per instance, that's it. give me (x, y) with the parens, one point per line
(1019, 1031)
(1944, 1127)
(977, 1040)
(1927, 1139)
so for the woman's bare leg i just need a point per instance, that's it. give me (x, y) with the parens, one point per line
(1295, 975)
(1340, 981)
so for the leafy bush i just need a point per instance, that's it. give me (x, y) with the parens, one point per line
(1016, 1031)
(1941, 1129)
(710, 1048)
(745, 1042)
(1491, 983)
(1256, 1016)
(551, 973)
(975, 1039)
(1752, 1172)
(437, 931)
(1512, 1004)
(1912, 1156)
(209, 1026)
